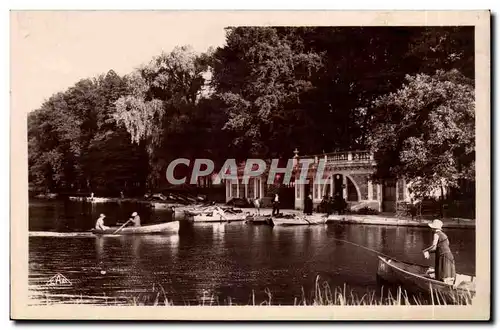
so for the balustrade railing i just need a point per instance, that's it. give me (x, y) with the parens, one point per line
(344, 156)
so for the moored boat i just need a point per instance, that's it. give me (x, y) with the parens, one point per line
(219, 217)
(306, 220)
(413, 277)
(259, 220)
(167, 227)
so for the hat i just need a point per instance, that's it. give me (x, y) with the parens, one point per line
(102, 215)
(134, 214)
(436, 224)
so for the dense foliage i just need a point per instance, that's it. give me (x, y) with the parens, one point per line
(267, 91)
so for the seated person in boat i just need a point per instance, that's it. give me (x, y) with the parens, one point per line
(99, 225)
(445, 263)
(135, 220)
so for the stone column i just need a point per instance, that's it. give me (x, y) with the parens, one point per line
(246, 189)
(370, 190)
(344, 186)
(332, 187)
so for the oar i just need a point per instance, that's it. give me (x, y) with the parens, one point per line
(121, 227)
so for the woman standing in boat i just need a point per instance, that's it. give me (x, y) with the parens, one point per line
(445, 263)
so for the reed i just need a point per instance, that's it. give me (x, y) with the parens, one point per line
(321, 295)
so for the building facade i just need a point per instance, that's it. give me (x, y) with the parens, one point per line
(350, 175)
(346, 173)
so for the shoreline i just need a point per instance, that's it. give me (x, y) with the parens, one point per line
(380, 219)
(386, 221)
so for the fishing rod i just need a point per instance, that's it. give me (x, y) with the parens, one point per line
(377, 252)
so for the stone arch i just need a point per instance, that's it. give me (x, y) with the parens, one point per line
(354, 183)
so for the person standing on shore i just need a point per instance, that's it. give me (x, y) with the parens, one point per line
(444, 269)
(256, 203)
(276, 204)
(308, 205)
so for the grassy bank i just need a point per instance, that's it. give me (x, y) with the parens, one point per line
(321, 295)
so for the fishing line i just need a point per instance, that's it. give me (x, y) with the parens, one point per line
(377, 252)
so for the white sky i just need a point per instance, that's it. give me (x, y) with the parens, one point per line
(53, 50)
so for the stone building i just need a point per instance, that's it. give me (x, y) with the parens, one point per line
(350, 174)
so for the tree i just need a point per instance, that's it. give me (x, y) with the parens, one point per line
(424, 132)
(162, 99)
(260, 77)
(54, 144)
(72, 138)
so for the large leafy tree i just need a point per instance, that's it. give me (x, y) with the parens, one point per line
(261, 77)
(161, 109)
(310, 87)
(54, 144)
(73, 135)
(424, 132)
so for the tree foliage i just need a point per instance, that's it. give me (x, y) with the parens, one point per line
(425, 131)
(267, 91)
(67, 133)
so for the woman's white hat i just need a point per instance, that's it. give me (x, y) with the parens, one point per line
(436, 224)
(134, 214)
(102, 215)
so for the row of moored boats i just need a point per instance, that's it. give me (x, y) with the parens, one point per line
(228, 214)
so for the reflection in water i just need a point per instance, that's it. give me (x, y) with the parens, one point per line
(228, 260)
(218, 231)
(99, 248)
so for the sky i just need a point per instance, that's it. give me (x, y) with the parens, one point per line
(51, 51)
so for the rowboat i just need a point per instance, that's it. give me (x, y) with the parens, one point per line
(419, 278)
(299, 221)
(259, 220)
(167, 227)
(225, 217)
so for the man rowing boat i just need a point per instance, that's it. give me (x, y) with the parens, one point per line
(135, 219)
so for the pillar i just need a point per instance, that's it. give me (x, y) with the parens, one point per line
(332, 187)
(370, 190)
(344, 187)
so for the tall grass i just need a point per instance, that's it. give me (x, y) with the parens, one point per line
(321, 295)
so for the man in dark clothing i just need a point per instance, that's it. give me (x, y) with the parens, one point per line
(308, 205)
(276, 204)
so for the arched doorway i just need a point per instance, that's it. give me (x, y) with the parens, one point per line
(341, 184)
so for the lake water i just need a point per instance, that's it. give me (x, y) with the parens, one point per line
(213, 263)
